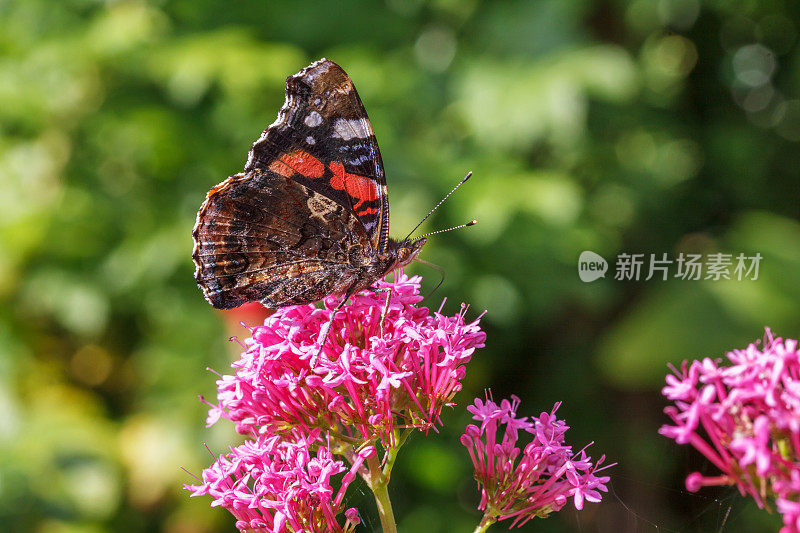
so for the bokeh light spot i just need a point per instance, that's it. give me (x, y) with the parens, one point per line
(754, 64)
(435, 48)
(91, 364)
(500, 295)
(94, 488)
(676, 55)
(680, 14)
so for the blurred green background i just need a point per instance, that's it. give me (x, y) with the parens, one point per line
(651, 126)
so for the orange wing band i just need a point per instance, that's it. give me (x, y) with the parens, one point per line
(358, 187)
(298, 161)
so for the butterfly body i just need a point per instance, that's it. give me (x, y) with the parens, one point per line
(309, 215)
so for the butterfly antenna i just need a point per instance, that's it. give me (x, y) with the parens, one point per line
(468, 224)
(460, 183)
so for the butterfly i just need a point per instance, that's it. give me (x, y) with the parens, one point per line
(309, 216)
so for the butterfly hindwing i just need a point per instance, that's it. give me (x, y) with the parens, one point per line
(263, 236)
(323, 139)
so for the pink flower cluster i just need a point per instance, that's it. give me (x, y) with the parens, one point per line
(745, 418)
(521, 484)
(369, 380)
(270, 483)
(377, 377)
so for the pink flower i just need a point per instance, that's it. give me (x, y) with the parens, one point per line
(369, 381)
(313, 411)
(521, 484)
(274, 486)
(745, 418)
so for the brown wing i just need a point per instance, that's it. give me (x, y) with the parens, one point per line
(264, 237)
(324, 121)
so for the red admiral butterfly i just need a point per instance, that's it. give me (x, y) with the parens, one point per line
(309, 216)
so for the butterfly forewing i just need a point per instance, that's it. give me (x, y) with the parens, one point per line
(323, 139)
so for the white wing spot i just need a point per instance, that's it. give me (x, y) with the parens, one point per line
(310, 140)
(347, 129)
(313, 119)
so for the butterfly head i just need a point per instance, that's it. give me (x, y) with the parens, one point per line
(401, 253)
(407, 250)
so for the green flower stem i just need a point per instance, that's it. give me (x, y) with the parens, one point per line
(485, 523)
(379, 483)
(381, 493)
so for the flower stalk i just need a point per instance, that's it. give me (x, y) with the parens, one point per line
(487, 520)
(381, 492)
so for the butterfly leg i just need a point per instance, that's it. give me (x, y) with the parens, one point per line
(326, 329)
(388, 292)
